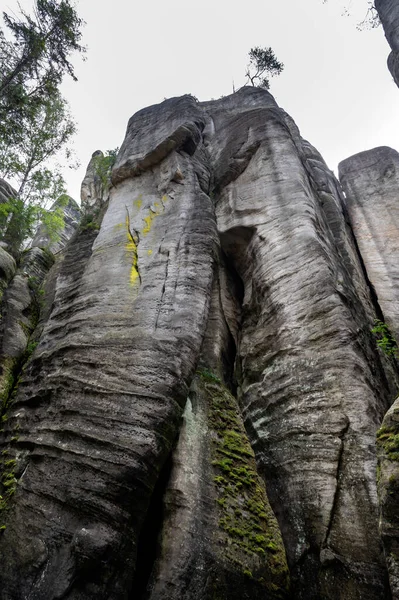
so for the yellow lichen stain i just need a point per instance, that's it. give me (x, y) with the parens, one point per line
(131, 247)
(119, 226)
(159, 208)
(138, 203)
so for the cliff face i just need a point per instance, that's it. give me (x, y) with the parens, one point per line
(388, 11)
(198, 418)
(371, 184)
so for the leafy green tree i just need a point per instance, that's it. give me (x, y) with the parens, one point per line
(34, 57)
(46, 133)
(103, 164)
(35, 124)
(26, 163)
(263, 64)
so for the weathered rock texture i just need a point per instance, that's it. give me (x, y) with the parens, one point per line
(71, 214)
(388, 11)
(6, 191)
(94, 190)
(371, 184)
(388, 491)
(201, 408)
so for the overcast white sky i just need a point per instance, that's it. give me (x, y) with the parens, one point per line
(335, 83)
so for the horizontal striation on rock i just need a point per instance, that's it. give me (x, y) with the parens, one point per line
(371, 183)
(224, 285)
(153, 134)
(311, 395)
(100, 404)
(219, 534)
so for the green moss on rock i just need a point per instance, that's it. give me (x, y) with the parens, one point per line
(388, 440)
(246, 518)
(8, 485)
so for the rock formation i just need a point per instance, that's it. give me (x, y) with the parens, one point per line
(388, 490)
(388, 11)
(94, 191)
(198, 418)
(71, 213)
(6, 191)
(371, 184)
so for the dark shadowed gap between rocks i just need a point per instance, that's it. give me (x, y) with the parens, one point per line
(147, 547)
(229, 355)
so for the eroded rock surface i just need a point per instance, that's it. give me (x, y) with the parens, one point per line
(388, 491)
(92, 192)
(6, 191)
(305, 342)
(71, 214)
(388, 11)
(371, 183)
(201, 408)
(219, 534)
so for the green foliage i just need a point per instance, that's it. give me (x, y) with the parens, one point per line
(207, 375)
(246, 517)
(8, 486)
(89, 222)
(262, 61)
(18, 221)
(385, 339)
(53, 220)
(103, 164)
(35, 54)
(35, 123)
(30, 348)
(388, 438)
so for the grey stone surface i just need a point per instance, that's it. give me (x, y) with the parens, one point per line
(225, 249)
(6, 191)
(371, 183)
(72, 215)
(110, 379)
(20, 310)
(153, 135)
(7, 266)
(388, 492)
(306, 353)
(219, 534)
(93, 193)
(388, 11)
(393, 66)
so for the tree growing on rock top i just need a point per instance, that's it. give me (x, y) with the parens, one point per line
(263, 64)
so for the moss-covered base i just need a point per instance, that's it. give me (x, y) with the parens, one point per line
(247, 525)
